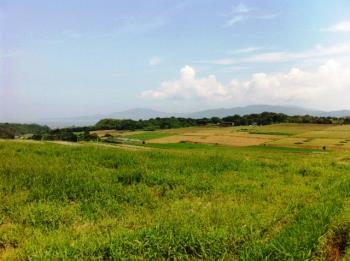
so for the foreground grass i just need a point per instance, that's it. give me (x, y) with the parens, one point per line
(209, 202)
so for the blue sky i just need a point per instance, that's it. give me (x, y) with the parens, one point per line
(84, 57)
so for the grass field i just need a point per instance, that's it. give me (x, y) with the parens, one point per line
(173, 201)
(149, 135)
(177, 200)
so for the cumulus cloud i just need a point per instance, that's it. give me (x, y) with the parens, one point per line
(326, 86)
(339, 27)
(188, 86)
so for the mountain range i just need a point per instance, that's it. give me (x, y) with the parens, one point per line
(145, 113)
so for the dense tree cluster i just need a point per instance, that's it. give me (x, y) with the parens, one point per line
(267, 118)
(66, 134)
(11, 130)
(264, 118)
(151, 124)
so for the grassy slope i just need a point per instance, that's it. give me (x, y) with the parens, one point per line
(246, 203)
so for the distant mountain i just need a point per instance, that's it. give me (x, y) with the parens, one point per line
(144, 113)
(134, 114)
(340, 113)
(140, 113)
(223, 112)
(71, 121)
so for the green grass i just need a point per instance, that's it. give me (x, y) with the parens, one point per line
(286, 149)
(149, 135)
(201, 146)
(182, 145)
(191, 201)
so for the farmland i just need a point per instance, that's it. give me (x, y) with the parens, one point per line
(233, 193)
(286, 135)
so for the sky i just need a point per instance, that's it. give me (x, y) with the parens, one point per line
(84, 57)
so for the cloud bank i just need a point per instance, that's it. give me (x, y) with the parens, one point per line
(325, 87)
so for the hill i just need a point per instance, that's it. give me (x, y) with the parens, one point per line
(10, 130)
(223, 112)
(145, 113)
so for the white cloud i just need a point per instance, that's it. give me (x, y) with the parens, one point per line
(238, 14)
(327, 86)
(248, 50)
(339, 27)
(236, 19)
(240, 9)
(251, 56)
(316, 52)
(188, 86)
(154, 61)
(266, 16)
(242, 12)
(224, 61)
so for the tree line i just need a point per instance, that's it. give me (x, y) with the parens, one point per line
(39, 132)
(264, 118)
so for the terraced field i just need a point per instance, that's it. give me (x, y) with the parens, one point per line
(287, 135)
(331, 137)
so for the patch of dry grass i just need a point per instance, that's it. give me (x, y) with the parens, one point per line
(214, 139)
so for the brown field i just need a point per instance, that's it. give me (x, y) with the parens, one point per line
(216, 135)
(331, 136)
(222, 140)
(311, 143)
(286, 135)
(294, 128)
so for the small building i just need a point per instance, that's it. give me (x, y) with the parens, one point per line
(226, 124)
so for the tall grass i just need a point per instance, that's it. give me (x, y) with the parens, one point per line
(83, 202)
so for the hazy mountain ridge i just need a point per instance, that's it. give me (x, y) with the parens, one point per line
(145, 113)
(140, 113)
(223, 112)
